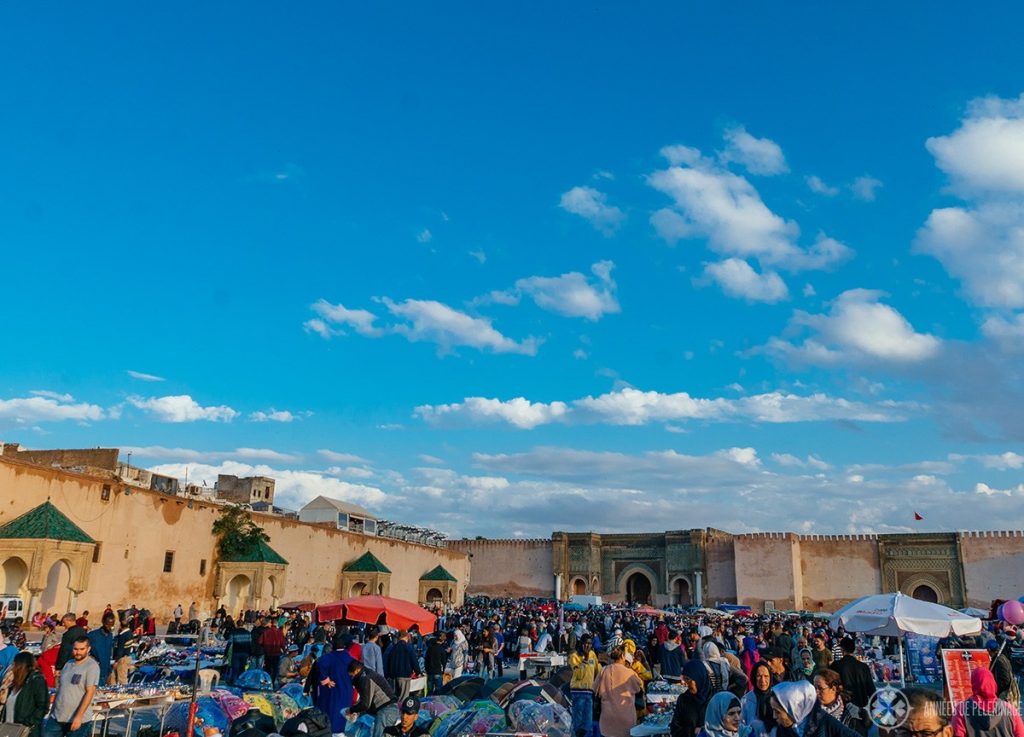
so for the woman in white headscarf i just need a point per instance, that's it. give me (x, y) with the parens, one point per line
(798, 713)
(458, 656)
(723, 717)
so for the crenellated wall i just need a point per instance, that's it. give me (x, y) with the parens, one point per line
(509, 568)
(835, 567)
(136, 528)
(993, 566)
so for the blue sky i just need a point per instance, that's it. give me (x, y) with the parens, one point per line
(503, 270)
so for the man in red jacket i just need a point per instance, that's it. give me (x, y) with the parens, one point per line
(272, 642)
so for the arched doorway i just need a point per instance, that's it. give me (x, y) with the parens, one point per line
(380, 589)
(274, 593)
(579, 587)
(924, 592)
(434, 596)
(57, 594)
(14, 575)
(238, 593)
(681, 592)
(359, 589)
(638, 589)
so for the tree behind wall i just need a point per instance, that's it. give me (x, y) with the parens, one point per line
(236, 532)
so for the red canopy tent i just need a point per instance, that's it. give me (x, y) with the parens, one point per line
(378, 610)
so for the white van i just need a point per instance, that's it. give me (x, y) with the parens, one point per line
(11, 607)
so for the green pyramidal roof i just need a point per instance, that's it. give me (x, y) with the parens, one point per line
(438, 574)
(258, 553)
(45, 522)
(367, 563)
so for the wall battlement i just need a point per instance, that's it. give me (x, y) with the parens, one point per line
(991, 533)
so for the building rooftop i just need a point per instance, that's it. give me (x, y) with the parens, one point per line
(367, 563)
(323, 502)
(45, 522)
(440, 573)
(259, 553)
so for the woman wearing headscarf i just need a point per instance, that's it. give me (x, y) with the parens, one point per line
(617, 686)
(723, 717)
(749, 657)
(756, 704)
(803, 666)
(798, 713)
(984, 713)
(688, 716)
(458, 655)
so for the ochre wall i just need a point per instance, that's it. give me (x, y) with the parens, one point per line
(767, 569)
(720, 560)
(993, 566)
(838, 568)
(503, 568)
(136, 529)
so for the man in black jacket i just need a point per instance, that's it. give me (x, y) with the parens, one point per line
(407, 726)
(400, 664)
(375, 698)
(72, 632)
(435, 661)
(1001, 668)
(858, 683)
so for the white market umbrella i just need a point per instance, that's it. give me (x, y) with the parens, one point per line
(895, 615)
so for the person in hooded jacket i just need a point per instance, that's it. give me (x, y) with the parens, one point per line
(798, 713)
(671, 657)
(984, 714)
(692, 703)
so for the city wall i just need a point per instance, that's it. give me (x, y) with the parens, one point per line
(509, 568)
(136, 529)
(993, 566)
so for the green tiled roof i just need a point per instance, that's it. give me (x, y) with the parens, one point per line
(259, 553)
(438, 574)
(45, 522)
(367, 563)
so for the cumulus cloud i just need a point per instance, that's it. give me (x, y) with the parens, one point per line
(572, 294)
(335, 457)
(737, 278)
(865, 187)
(629, 406)
(182, 408)
(592, 205)
(818, 186)
(709, 201)
(47, 406)
(420, 321)
(858, 327)
(758, 155)
(276, 415)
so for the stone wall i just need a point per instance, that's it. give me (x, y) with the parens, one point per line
(85, 458)
(509, 568)
(135, 529)
(768, 569)
(993, 566)
(720, 556)
(838, 568)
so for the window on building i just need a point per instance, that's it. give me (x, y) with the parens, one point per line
(105, 494)
(168, 561)
(370, 527)
(342, 521)
(355, 524)
(202, 567)
(96, 553)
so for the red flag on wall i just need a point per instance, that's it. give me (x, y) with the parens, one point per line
(917, 517)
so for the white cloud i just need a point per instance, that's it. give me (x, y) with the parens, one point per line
(712, 202)
(438, 323)
(51, 407)
(519, 412)
(275, 415)
(362, 321)
(159, 452)
(818, 186)
(809, 290)
(572, 294)
(57, 396)
(426, 321)
(1008, 333)
(434, 460)
(335, 457)
(759, 155)
(629, 406)
(986, 153)
(989, 491)
(791, 461)
(425, 236)
(182, 408)
(998, 461)
(479, 255)
(864, 188)
(737, 278)
(144, 377)
(858, 327)
(591, 205)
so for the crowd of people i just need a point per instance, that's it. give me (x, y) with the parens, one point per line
(736, 677)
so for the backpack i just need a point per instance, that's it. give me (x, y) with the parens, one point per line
(316, 722)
